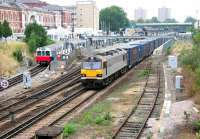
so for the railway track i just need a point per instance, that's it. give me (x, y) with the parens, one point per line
(19, 78)
(44, 113)
(134, 124)
(29, 101)
(38, 91)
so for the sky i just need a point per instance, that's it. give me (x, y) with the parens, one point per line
(180, 9)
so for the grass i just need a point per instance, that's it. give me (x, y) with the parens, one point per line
(8, 63)
(143, 73)
(97, 115)
(69, 129)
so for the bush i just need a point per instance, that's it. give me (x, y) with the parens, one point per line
(33, 42)
(17, 54)
(196, 125)
(69, 129)
(36, 36)
(49, 41)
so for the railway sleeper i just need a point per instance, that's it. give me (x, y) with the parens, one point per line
(143, 107)
(131, 130)
(149, 95)
(151, 90)
(126, 135)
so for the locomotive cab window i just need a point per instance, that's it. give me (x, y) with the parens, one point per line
(91, 65)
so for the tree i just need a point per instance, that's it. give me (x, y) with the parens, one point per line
(113, 18)
(140, 21)
(35, 36)
(6, 30)
(1, 30)
(170, 20)
(190, 19)
(33, 42)
(154, 20)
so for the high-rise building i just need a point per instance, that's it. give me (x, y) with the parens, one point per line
(140, 13)
(87, 15)
(164, 13)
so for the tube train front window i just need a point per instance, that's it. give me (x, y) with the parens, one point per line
(43, 53)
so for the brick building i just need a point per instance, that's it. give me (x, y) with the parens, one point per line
(20, 14)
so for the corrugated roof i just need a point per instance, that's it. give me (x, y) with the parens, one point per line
(26, 1)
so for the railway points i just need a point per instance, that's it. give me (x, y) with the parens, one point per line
(58, 101)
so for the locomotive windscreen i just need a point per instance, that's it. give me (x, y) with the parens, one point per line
(91, 65)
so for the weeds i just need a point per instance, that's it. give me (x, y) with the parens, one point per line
(197, 135)
(196, 125)
(96, 115)
(143, 73)
(69, 129)
(17, 54)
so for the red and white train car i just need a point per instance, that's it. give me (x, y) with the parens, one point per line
(46, 54)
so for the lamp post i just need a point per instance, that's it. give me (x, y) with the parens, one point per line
(73, 24)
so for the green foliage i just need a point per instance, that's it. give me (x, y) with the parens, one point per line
(191, 58)
(17, 54)
(198, 135)
(108, 116)
(140, 21)
(35, 36)
(167, 51)
(99, 120)
(143, 73)
(196, 125)
(1, 30)
(170, 20)
(190, 19)
(103, 119)
(196, 37)
(6, 31)
(152, 20)
(33, 42)
(69, 129)
(98, 114)
(49, 41)
(114, 18)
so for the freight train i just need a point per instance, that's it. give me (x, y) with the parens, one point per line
(102, 69)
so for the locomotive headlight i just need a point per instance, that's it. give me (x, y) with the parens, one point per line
(83, 75)
(99, 75)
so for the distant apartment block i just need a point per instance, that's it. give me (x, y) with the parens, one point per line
(87, 15)
(164, 13)
(140, 13)
(19, 13)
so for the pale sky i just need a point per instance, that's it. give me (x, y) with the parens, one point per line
(179, 8)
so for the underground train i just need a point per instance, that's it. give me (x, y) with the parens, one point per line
(46, 54)
(102, 69)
